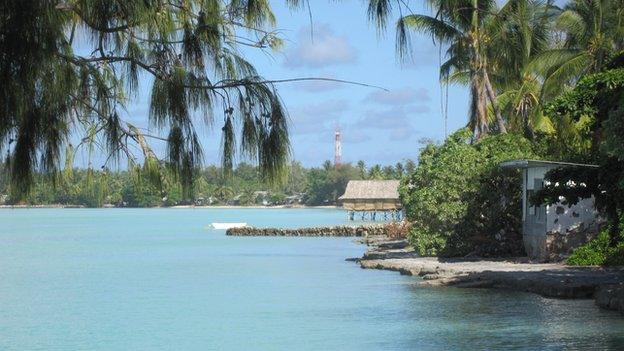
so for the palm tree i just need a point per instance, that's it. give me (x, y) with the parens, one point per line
(400, 170)
(388, 172)
(461, 25)
(375, 173)
(522, 30)
(327, 165)
(589, 32)
(361, 166)
(523, 103)
(410, 167)
(246, 197)
(223, 193)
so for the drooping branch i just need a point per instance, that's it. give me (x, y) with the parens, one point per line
(234, 83)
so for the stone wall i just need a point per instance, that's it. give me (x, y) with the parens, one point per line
(558, 246)
(339, 231)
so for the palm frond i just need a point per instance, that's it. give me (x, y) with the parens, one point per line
(562, 75)
(378, 12)
(572, 23)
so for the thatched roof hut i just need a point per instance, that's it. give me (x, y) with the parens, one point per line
(371, 195)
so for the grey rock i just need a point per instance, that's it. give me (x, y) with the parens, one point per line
(388, 254)
(394, 244)
(610, 296)
(555, 280)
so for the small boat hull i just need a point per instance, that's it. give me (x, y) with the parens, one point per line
(217, 225)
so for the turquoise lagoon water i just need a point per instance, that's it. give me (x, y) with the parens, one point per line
(157, 279)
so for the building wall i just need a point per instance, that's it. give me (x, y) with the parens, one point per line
(538, 221)
(561, 218)
(534, 217)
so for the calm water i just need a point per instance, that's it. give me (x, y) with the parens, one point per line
(157, 279)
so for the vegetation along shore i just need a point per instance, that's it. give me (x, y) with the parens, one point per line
(304, 186)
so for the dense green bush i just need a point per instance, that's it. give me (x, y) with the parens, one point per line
(460, 200)
(598, 252)
(594, 253)
(615, 256)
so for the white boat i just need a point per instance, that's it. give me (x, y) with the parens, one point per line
(227, 225)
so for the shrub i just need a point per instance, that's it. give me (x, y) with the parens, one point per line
(597, 252)
(592, 253)
(615, 256)
(459, 199)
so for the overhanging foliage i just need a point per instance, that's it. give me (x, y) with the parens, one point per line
(188, 49)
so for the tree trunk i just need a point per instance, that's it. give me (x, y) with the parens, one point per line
(528, 130)
(492, 96)
(484, 125)
(478, 107)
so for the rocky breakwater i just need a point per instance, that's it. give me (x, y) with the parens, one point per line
(338, 231)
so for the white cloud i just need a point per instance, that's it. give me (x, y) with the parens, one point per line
(355, 136)
(397, 121)
(398, 134)
(319, 49)
(315, 118)
(396, 117)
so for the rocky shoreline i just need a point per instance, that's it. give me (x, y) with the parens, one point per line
(555, 280)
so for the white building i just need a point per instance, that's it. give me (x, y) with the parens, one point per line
(540, 224)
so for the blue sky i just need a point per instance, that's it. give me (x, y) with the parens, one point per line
(377, 126)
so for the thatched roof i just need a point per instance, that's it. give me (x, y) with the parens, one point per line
(371, 190)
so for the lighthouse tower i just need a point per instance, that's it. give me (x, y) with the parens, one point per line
(337, 149)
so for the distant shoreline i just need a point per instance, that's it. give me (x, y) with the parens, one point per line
(178, 206)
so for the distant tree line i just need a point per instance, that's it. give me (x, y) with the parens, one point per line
(244, 186)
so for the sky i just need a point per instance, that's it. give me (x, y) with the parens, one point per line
(339, 42)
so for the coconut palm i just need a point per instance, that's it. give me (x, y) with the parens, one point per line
(223, 192)
(361, 166)
(522, 103)
(521, 33)
(400, 170)
(589, 31)
(247, 197)
(375, 173)
(461, 25)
